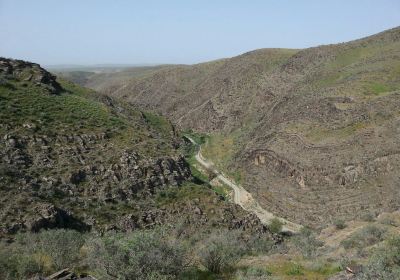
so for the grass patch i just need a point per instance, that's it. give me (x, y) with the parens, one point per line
(199, 138)
(158, 123)
(364, 237)
(298, 269)
(188, 191)
(220, 149)
(377, 88)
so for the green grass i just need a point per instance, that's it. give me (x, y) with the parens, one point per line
(186, 192)
(298, 269)
(365, 237)
(199, 138)
(158, 123)
(190, 151)
(78, 110)
(52, 112)
(376, 88)
(220, 149)
(222, 190)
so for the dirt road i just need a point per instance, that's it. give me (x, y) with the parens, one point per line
(243, 197)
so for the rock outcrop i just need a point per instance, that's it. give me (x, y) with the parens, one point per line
(28, 72)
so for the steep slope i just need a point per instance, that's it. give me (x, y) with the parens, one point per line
(313, 133)
(70, 158)
(210, 96)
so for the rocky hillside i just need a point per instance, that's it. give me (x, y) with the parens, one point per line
(71, 158)
(313, 133)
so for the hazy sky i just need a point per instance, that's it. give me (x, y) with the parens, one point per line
(180, 31)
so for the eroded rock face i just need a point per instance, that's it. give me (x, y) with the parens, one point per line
(43, 216)
(30, 72)
(192, 217)
(77, 179)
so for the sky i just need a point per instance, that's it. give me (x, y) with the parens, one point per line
(86, 32)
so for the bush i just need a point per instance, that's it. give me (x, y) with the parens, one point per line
(252, 273)
(17, 266)
(138, 255)
(221, 250)
(61, 248)
(259, 244)
(275, 226)
(306, 243)
(295, 270)
(384, 263)
(368, 217)
(367, 236)
(340, 224)
(44, 252)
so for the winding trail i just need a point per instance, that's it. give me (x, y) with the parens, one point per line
(242, 197)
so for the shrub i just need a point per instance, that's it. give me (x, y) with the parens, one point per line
(295, 269)
(43, 252)
(61, 248)
(384, 263)
(306, 243)
(17, 266)
(367, 236)
(340, 224)
(388, 221)
(275, 226)
(368, 217)
(253, 273)
(259, 244)
(138, 255)
(221, 250)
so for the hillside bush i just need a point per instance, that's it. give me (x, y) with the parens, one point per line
(275, 226)
(364, 237)
(221, 250)
(340, 224)
(384, 263)
(44, 252)
(306, 242)
(138, 255)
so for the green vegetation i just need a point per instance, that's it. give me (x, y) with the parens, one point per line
(186, 192)
(306, 242)
(294, 269)
(44, 253)
(139, 255)
(221, 251)
(143, 254)
(252, 273)
(158, 123)
(203, 176)
(80, 111)
(275, 226)
(199, 138)
(365, 237)
(340, 224)
(220, 149)
(50, 112)
(281, 268)
(377, 88)
(384, 262)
